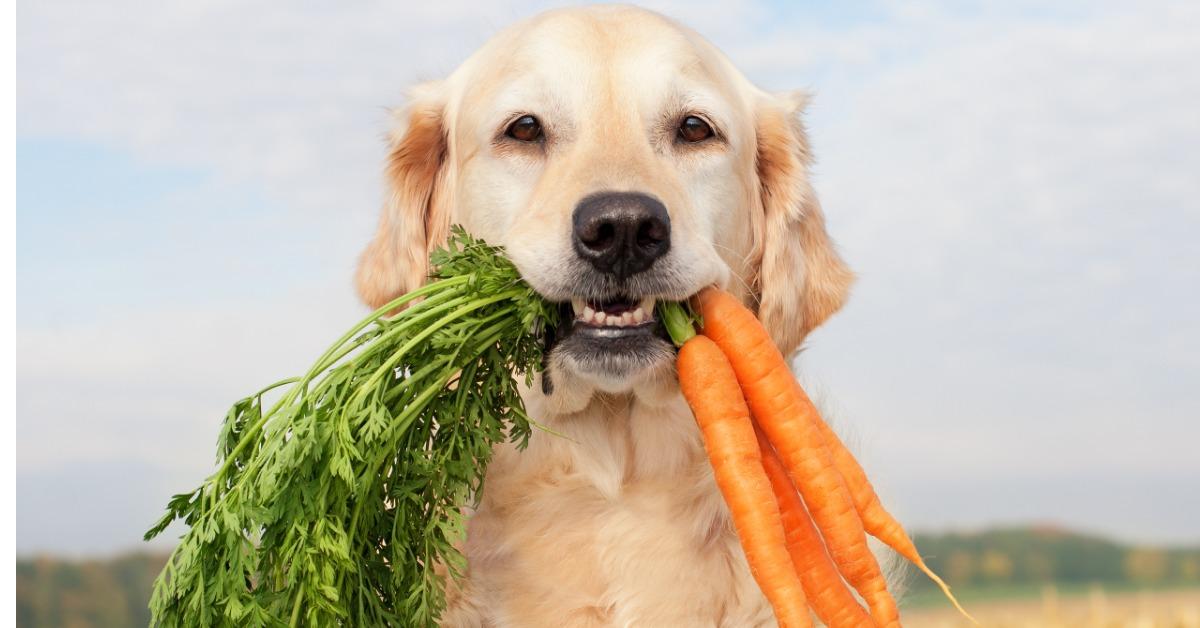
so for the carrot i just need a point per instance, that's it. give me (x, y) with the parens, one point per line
(708, 383)
(827, 593)
(789, 420)
(877, 521)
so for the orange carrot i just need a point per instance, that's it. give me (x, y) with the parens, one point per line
(877, 521)
(828, 595)
(708, 383)
(789, 420)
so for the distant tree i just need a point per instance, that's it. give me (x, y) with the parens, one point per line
(1146, 565)
(960, 567)
(1188, 568)
(89, 594)
(1048, 554)
(52, 593)
(1037, 565)
(995, 566)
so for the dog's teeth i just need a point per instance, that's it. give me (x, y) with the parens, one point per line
(639, 316)
(587, 314)
(598, 317)
(578, 305)
(647, 306)
(627, 318)
(616, 320)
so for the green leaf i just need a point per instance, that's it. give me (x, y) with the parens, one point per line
(333, 504)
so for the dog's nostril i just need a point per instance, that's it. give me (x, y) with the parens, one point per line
(605, 235)
(651, 233)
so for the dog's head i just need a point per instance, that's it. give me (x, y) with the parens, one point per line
(619, 158)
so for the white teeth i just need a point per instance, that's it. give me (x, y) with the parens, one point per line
(586, 314)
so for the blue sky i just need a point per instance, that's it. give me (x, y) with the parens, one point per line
(1015, 186)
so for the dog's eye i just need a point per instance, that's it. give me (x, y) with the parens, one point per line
(525, 129)
(693, 129)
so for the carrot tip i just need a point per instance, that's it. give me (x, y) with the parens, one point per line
(946, 590)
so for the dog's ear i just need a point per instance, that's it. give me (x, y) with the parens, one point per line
(801, 280)
(416, 212)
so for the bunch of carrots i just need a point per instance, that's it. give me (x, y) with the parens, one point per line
(800, 502)
(335, 504)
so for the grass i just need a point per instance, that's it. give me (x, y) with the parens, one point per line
(932, 598)
(1069, 606)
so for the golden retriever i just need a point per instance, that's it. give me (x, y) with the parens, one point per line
(619, 158)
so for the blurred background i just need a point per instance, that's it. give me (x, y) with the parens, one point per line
(1015, 183)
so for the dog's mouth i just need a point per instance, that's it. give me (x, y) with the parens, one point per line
(609, 325)
(613, 338)
(616, 313)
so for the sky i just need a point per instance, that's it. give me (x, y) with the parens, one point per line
(1014, 184)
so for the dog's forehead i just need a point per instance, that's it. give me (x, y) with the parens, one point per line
(591, 34)
(575, 58)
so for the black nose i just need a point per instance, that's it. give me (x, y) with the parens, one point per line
(621, 233)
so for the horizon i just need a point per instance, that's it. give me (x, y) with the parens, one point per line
(1032, 527)
(1014, 185)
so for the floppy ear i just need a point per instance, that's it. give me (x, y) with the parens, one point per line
(415, 214)
(801, 280)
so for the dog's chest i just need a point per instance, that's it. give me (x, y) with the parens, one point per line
(618, 524)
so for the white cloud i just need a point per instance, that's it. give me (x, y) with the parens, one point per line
(1022, 206)
(287, 98)
(1016, 188)
(152, 386)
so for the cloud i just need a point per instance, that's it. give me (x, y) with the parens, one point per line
(1018, 197)
(265, 93)
(137, 386)
(1014, 183)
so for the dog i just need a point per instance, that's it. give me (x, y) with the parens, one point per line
(619, 158)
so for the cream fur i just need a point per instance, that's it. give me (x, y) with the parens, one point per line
(615, 520)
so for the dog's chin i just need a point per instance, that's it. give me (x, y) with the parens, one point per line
(614, 360)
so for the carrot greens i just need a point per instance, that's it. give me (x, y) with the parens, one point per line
(340, 501)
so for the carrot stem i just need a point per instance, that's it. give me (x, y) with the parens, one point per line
(679, 320)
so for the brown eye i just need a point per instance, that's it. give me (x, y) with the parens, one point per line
(693, 129)
(525, 129)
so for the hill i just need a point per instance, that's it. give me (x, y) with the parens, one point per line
(1047, 554)
(55, 593)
